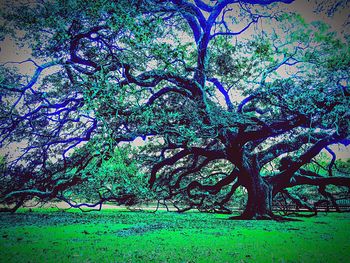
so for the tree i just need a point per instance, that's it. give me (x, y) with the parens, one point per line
(205, 80)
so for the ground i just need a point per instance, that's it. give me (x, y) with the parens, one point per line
(46, 235)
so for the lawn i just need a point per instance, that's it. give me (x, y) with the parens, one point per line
(120, 236)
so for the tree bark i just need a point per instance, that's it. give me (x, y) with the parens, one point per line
(259, 203)
(260, 194)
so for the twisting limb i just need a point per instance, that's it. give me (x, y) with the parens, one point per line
(213, 189)
(331, 164)
(284, 177)
(216, 154)
(298, 201)
(329, 196)
(217, 83)
(283, 147)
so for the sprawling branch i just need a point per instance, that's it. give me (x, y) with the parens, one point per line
(289, 145)
(154, 77)
(298, 201)
(299, 179)
(213, 189)
(211, 154)
(266, 130)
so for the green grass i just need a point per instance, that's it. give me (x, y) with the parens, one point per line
(117, 236)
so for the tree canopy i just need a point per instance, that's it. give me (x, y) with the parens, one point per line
(230, 93)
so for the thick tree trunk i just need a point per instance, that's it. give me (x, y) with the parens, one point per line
(259, 203)
(260, 191)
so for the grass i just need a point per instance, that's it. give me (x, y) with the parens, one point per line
(117, 236)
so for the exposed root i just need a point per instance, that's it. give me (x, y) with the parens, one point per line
(246, 216)
(267, 216)
(302, 215)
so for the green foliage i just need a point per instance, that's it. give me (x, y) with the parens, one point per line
(343, 166)
(236, 63)
(2, 164)
(113, 176)
(263, 49)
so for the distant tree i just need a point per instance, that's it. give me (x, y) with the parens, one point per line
(239, 83)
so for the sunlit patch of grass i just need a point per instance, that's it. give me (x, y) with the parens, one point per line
(115, 236)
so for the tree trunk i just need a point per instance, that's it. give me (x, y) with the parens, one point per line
(259, 203)
(260, 191)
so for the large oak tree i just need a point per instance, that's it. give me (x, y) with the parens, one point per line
(234, 93)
